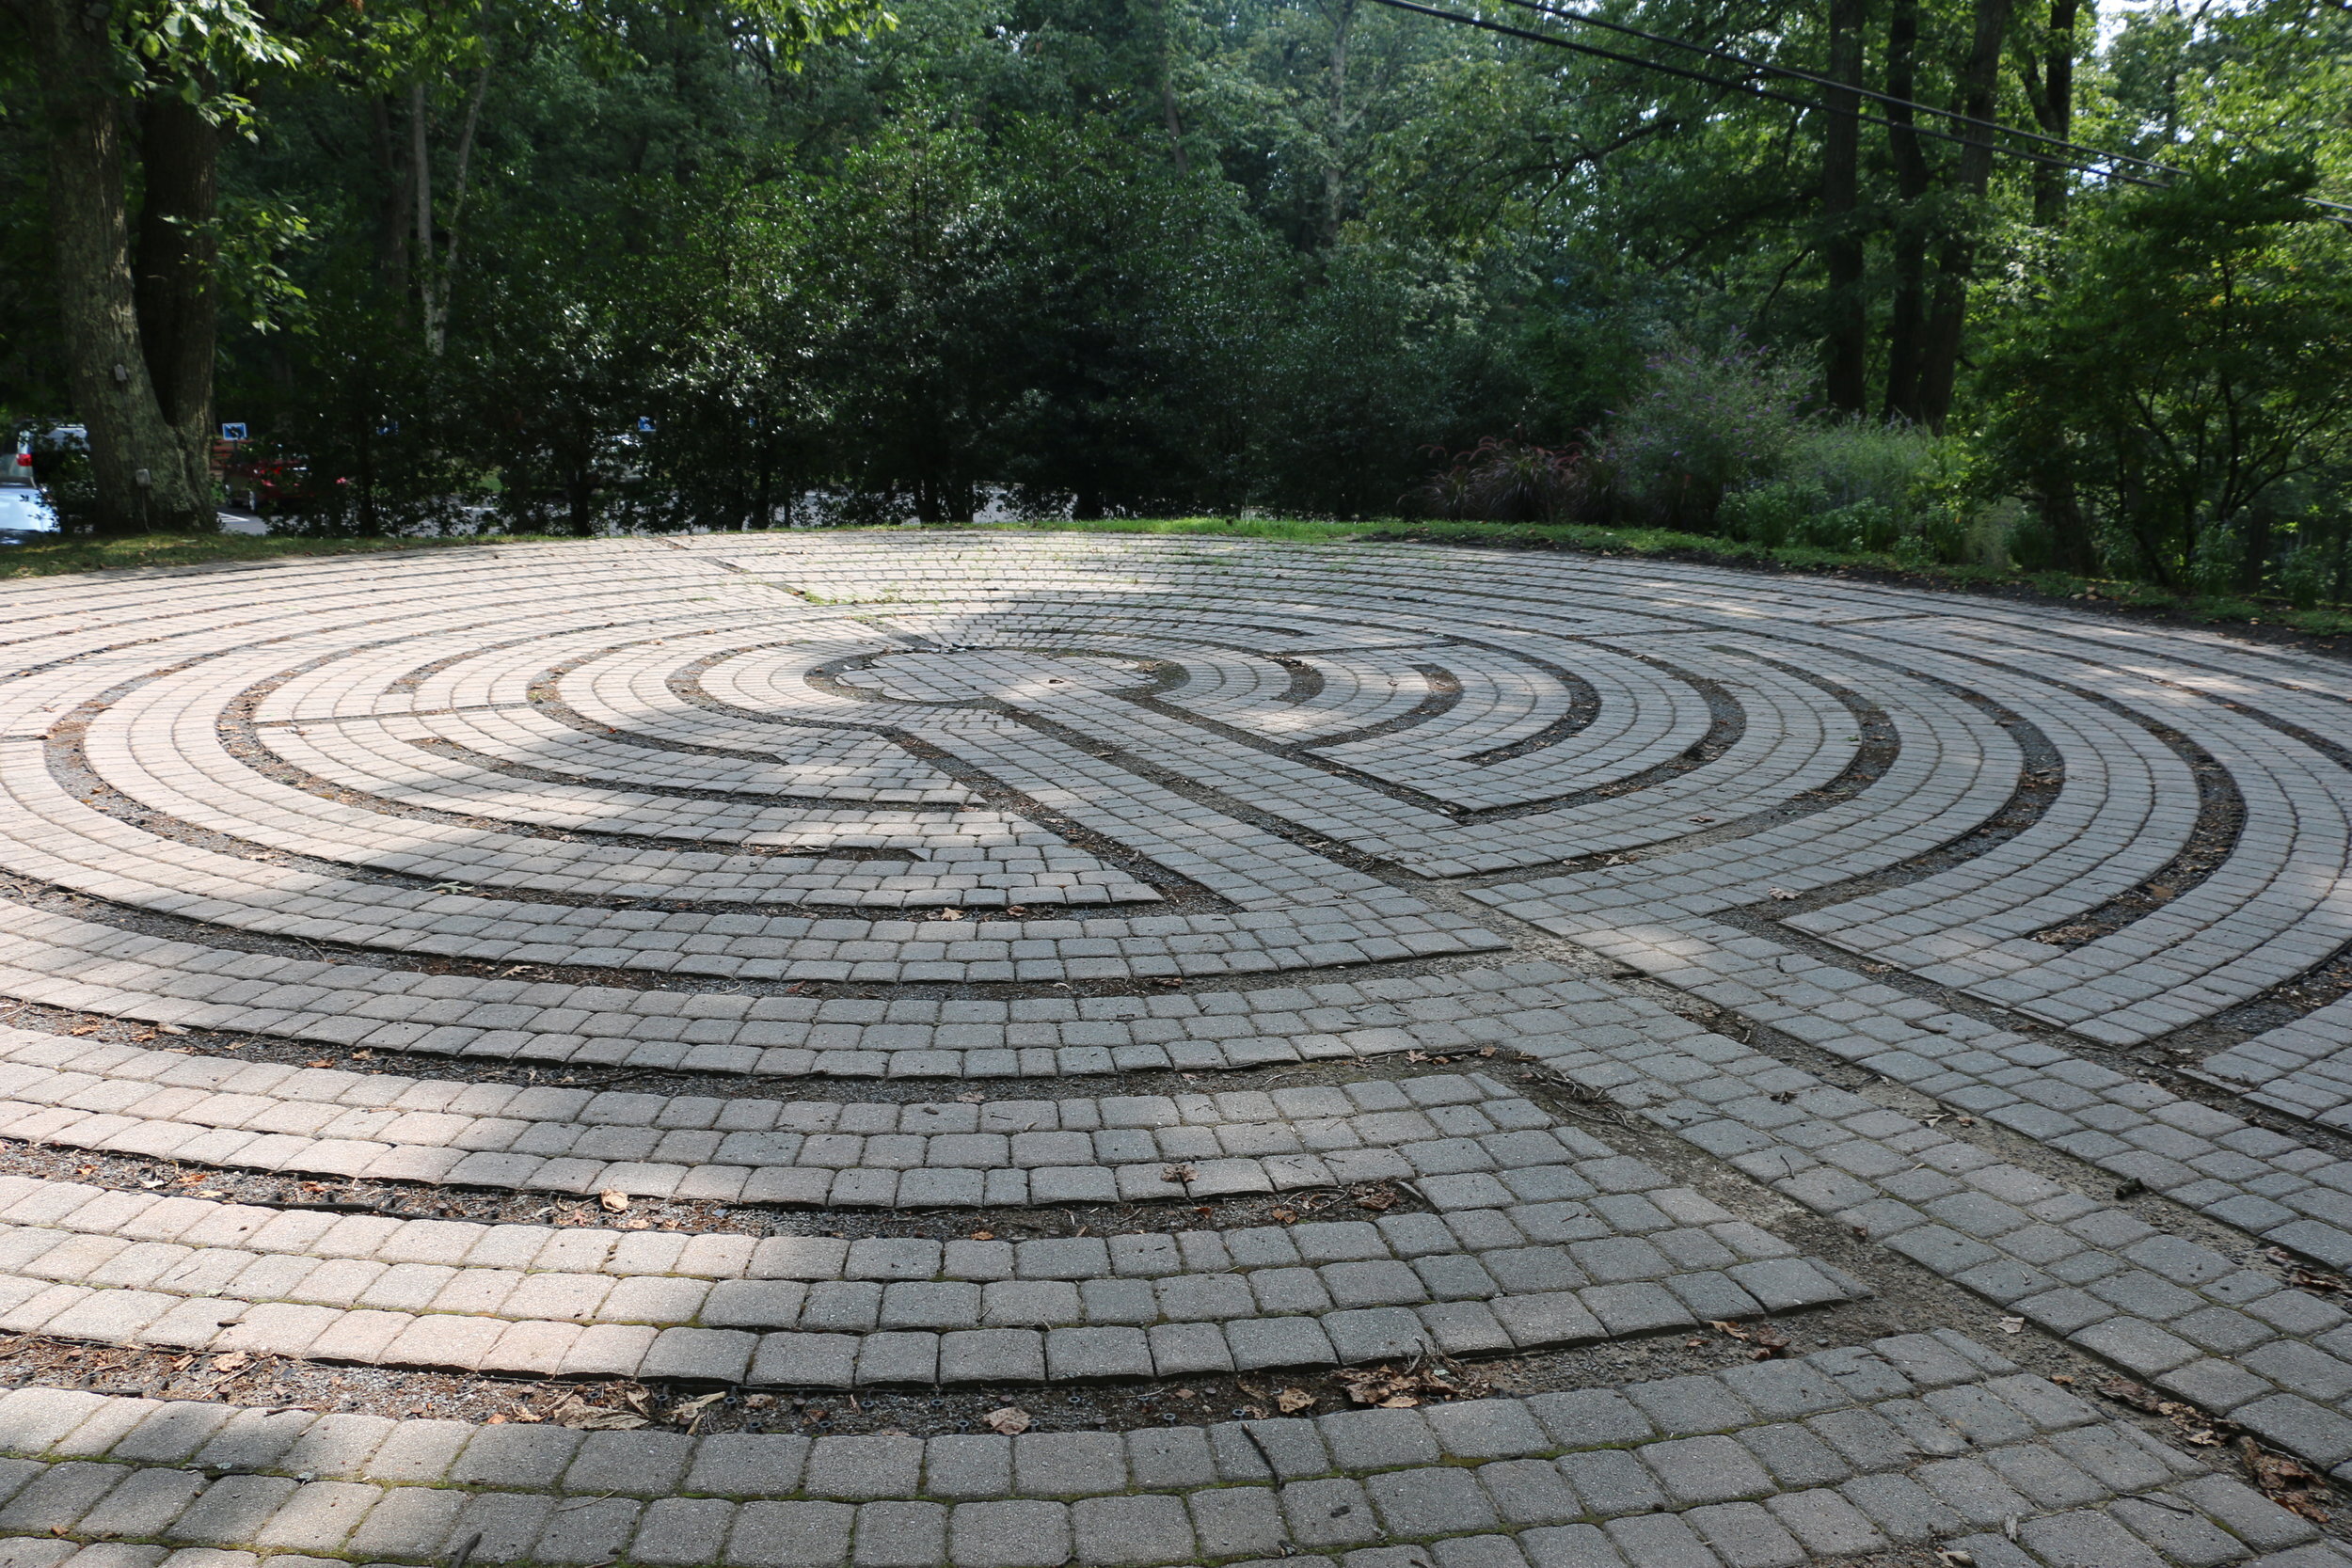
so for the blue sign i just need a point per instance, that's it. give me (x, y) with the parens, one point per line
(233, 433)
(644, 425)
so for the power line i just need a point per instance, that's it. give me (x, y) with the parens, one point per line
(2099, 154)
(1564, 14)
(1733, 85)
(1753, 90)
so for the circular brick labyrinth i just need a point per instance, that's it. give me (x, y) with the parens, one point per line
(876, 980)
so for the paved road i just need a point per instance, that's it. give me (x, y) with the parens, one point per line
(1423, 958)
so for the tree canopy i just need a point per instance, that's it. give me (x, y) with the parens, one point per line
(680, 263)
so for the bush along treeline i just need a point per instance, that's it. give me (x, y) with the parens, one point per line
(502, 265)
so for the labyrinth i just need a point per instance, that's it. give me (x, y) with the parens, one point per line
(922, 1047)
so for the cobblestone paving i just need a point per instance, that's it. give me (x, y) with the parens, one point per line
(1590, 952)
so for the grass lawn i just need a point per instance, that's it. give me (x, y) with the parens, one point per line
(197, 549)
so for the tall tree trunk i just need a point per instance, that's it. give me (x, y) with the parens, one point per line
(140, 479)
(443, 274)
(420, 185)
(1167, 94)
(395, 199)
(362, 499)
(1846, 346)
(1948, 315)
(2256, 564)
(177, 292)
(1907, 312)
(2050, 89)
(1343, 15)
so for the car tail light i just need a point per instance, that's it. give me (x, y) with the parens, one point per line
(24, 459)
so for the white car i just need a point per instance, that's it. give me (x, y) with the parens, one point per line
(25, 515)
(19, 470)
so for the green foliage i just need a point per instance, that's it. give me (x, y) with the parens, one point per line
(1112, 257)
(2189, 360)
(1704, 424)
(2308, 576)
(1770, 514)
(1510, 480)
(1891, 465)
(256, 238)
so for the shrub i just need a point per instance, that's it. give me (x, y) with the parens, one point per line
(1857, 461)
(1945, 536)
(1709, 423)
(2218, 561)
(1869, 526)
(1770, 514)
(1507, 481)
(2305, 578)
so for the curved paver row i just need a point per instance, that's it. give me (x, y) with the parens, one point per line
(1863, 1452)
(1334, 852)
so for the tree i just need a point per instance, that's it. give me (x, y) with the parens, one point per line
(1948, 304)
(137, 97)
(2190, 359)
(2047, 66)
(139, 323)
(1845, 361)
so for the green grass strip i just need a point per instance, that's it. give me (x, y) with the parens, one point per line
(199, 549)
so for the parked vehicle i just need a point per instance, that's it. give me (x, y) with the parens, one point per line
(267, 481)
(25, 515)
(50, 447)
(20, 471)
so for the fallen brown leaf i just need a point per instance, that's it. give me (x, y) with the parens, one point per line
(1387, 1388)
(2193, 1424)
(1290, 1401)
(2284, 1481)
(1763, 1341)
(688, 1413)
(574, 1412)
(2324, 1284)
(612, 1200)
(1006, 1422)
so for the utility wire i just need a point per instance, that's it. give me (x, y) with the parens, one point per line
(1564, 14)
(1752, 89)
(2097, 154)
(1733, 85)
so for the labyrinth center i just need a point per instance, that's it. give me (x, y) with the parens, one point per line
(1013, 1050)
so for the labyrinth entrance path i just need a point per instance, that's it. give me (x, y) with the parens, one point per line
(994, 1050)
